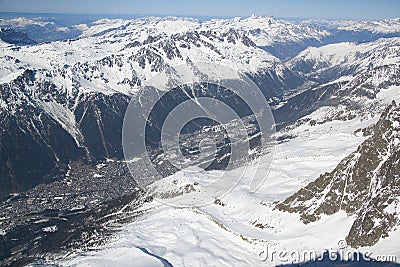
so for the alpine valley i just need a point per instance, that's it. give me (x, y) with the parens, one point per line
(68, 198)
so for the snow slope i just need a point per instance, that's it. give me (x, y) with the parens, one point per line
(265, 31)
(112, 54)
(386, 26)
(346, 58)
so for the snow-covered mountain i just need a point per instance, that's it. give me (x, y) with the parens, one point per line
(161, 41)
(364, 184)
(82, 87)
(268, 31)
(342, 59)
(281, 38)
(42, 29)
(387, 26)
(347, 82)
(62, 106)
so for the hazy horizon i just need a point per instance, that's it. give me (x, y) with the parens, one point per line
(9, 15)
(290, 9)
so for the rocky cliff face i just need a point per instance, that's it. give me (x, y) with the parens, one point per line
(41, 134)
(365, 184)
(352, 97)
(34, 148)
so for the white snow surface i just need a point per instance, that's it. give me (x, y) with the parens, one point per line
(22, 22)
(263, 30)
(82, 60)
(345, 55)
(266, 31)
(385, 26)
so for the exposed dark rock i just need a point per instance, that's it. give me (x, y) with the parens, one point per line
(36, 148)
(365, 184)
(99, 118)
(12, 36)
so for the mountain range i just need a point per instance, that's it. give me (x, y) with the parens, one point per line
(63, 99)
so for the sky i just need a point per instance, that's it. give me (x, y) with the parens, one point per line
(326, 9)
